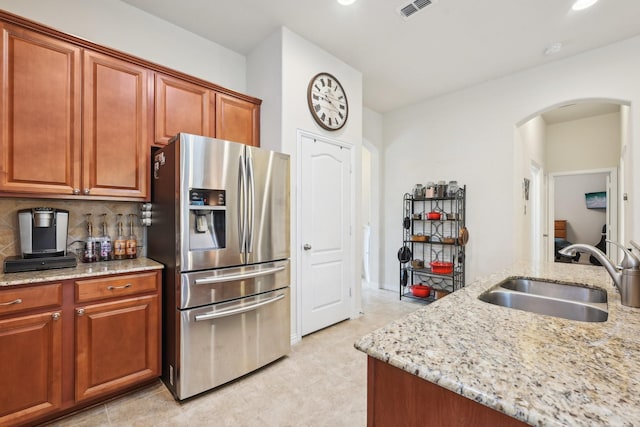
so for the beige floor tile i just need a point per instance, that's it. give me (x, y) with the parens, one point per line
(322, 382)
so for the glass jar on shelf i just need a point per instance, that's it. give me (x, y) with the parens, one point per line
(452, 188)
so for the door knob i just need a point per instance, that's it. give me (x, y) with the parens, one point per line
(306, 246)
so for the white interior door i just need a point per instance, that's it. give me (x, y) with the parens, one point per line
(327, 257)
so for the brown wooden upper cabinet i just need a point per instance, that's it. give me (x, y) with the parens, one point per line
(76, 121)
(182, 106)
(117, 119)
(41, 113)
(237, 120)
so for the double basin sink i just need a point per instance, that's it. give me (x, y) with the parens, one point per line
(571, 301)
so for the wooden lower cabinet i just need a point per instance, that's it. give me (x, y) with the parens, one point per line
(398, 398)
(30, 367)
(70, 344)
(117, 345)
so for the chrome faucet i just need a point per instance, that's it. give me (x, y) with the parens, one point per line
(626, 276)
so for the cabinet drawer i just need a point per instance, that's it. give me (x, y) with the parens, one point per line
(15, 300)
(118, 286)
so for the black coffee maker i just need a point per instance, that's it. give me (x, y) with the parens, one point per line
(43, 241)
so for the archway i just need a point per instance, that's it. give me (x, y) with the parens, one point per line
(568, 138)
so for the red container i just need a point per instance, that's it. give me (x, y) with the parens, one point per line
(433, 215)
(421, 291)
(441, 267)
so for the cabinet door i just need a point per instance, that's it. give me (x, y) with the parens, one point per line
(117, 345)
(237, 120)
(182, 107)
(30, 367)
(40, 112)
(116, 137)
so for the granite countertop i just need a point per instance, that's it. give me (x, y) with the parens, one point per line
(82, 270)
(542, 370)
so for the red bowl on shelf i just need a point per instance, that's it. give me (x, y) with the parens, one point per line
(433, 215)
(421, 291)
(441, 267)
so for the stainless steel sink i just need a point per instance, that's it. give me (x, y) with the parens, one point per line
(567, 300)
(561, 290)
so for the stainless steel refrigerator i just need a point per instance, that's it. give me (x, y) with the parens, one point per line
(220, 225)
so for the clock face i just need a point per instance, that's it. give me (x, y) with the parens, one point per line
(327, 101)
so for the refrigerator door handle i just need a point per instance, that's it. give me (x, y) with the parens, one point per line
(251, 199)
(234, 311)
(242, 203)
(241, 276)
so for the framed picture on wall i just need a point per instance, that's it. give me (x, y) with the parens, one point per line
(597, 200)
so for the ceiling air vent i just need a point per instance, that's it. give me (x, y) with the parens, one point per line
(410, 9)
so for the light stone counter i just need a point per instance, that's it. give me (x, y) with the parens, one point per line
(82, 270)
(539, 369)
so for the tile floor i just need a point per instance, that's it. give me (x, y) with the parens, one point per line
(322, 382)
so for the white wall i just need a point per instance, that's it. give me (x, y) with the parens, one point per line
(469, 136)
(529, 149)
(120, 26)
(373, 140)
(296, 60)
(588, 143)
(583, 225)
(624, 211)
(265, 81)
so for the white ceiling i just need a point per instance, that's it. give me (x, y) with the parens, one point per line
(448, 45)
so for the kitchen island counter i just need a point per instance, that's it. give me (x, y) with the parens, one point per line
(539, 369)
(81, 270)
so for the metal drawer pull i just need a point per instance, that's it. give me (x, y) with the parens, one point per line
(111, 288)
(234, 311)
(15, 301)
(241, 276)
(55, 316)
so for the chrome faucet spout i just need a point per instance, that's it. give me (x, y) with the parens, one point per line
(615, 274)
(626, 279)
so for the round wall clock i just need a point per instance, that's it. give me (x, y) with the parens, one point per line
(327, 101)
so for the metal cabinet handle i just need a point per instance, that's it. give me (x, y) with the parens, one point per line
(76, 191)
(111, 288)
(86, 191)
(80, 311)
(306, 247)
(55, 316)
(226, 313)
(15, 301)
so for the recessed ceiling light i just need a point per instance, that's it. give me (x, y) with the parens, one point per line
(346, 2)
(553, 48)
(583, 4)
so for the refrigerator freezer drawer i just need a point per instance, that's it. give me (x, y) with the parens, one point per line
(213, 286)
(222, 342)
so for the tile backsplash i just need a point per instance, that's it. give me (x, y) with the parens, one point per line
(10, 236)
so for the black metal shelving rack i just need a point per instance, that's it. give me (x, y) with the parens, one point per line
(434, 249)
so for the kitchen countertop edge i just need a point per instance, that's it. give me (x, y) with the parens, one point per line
(81, 270)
